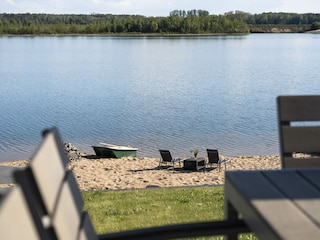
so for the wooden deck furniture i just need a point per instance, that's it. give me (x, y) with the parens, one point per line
(275, 204)
(299, 131)
(51, 193)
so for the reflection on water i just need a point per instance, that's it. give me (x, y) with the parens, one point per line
(151, 93)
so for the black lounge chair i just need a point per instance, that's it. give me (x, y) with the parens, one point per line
(167, 158)
(213, 158)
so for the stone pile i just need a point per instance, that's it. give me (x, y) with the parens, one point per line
(72, 151)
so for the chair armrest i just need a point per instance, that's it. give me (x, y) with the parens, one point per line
(224, 161)
(176, 160)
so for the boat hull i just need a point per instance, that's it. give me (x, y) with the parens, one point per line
(113, 153)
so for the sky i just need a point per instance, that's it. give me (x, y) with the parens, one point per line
(156, 8)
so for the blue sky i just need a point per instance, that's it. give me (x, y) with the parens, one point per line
(156, 7)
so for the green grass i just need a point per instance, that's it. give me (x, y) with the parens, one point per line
(116, 211)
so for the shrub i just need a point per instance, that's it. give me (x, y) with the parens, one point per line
(315, 26)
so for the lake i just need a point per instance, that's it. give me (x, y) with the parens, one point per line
(176, 93)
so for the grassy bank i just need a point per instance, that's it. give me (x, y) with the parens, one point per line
(125, 210)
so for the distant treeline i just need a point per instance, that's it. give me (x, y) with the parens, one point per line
(178, 22)
(275, 18)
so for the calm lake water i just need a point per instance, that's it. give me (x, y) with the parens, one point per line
(176, 93)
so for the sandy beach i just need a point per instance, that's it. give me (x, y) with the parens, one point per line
(134, 172)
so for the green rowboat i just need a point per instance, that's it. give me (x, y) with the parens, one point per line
(114, 151)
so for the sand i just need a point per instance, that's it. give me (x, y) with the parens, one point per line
(136, 173)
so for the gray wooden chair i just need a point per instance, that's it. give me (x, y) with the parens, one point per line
(299, 131)
(52, 194)
(213, 158)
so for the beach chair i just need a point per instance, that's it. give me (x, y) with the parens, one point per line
(167, 158)
(299, 131)
(213, 158)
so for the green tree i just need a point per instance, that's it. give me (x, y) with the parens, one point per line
(154, 26)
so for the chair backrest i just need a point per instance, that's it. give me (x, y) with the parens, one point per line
(213, 156)
(52, 193)
(299, 131)
(165, 155)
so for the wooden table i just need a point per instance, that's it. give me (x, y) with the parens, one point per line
(194, 164)
(275, 204)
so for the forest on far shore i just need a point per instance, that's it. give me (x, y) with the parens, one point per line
(178, 22)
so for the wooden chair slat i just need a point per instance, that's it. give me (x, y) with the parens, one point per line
(16, 221)
(48, 166)
(301, 139)
(291, 162)
(299, 108)
(67, 214)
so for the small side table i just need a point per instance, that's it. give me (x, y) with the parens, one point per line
(194, 164)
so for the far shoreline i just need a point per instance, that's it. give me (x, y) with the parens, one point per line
(125, 35)
(272, 31)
